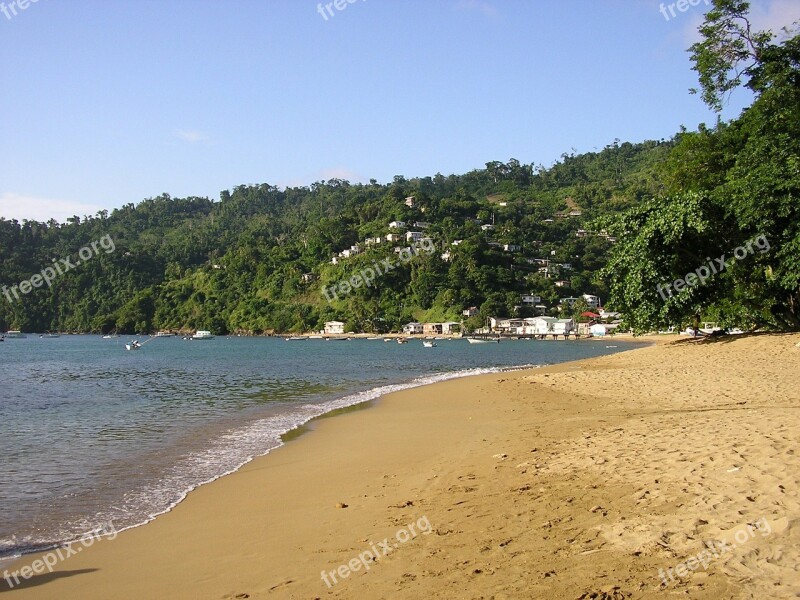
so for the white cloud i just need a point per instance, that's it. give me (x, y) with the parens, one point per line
(191, 136)
(487, 8)
(777, 15)
(20, 206)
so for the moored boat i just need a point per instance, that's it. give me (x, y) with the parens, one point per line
(203, 335)
(476, 340)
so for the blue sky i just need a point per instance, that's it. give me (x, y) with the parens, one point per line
(106, 102)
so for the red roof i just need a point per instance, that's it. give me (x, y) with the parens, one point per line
(591, 315)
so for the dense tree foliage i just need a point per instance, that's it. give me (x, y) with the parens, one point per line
(723, 188)
(238, 265)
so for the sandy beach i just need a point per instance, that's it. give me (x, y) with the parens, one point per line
(668, 471)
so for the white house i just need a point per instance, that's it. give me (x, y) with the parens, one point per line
(487, 227)
(563, 326)
(410, 201)
(562, 283)
(592, 301)
(334, 328)
(531, 299)
(470, 312)
(451, 327)
(512, 247)
(421, 224)
(414, 236)
(394, 237)
(397, 225)
(413, 328)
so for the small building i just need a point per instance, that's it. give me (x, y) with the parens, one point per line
(410, 201)
(487, 227)
(451, 327)
(563, 326)
(592, 301)
(531, 299)
(598, 330)
(413, 328)
(433, 328)
(512, 247)
(397, 225)
(472, 311)
(394, 237)
(334, 328)
(421, 225)
(562, 283)
(414, 236)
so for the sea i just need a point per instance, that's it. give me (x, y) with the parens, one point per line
(94, 436)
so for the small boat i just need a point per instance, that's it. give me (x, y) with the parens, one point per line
(15, 335)
(165, 334)
(429, 344)
(296, 338)
(111, 335)
(387, 339)
(203, 335)
(50, 335)
(134, 345)
(374, 339)
(474, 340)
(402, 341)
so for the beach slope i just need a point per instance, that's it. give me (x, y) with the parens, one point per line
(666, 471)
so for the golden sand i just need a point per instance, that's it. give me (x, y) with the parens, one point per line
(669, 471)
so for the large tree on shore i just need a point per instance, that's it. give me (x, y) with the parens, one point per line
(724, 187)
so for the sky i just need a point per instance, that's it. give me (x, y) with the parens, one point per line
(108, 102)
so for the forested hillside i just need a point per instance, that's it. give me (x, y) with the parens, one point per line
(257, 260)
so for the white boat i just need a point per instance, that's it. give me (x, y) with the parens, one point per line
(50, 335)
(709, 328)
(296, 338)
(165, 334)
(111, 335)
(15, 335)
(203, 335)
(473, 340)
(429, 344)
(134, 345)
(402, 341)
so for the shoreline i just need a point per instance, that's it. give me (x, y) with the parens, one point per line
(350, 402)
(454, 452)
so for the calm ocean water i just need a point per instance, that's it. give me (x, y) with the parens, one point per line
(90, 433)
